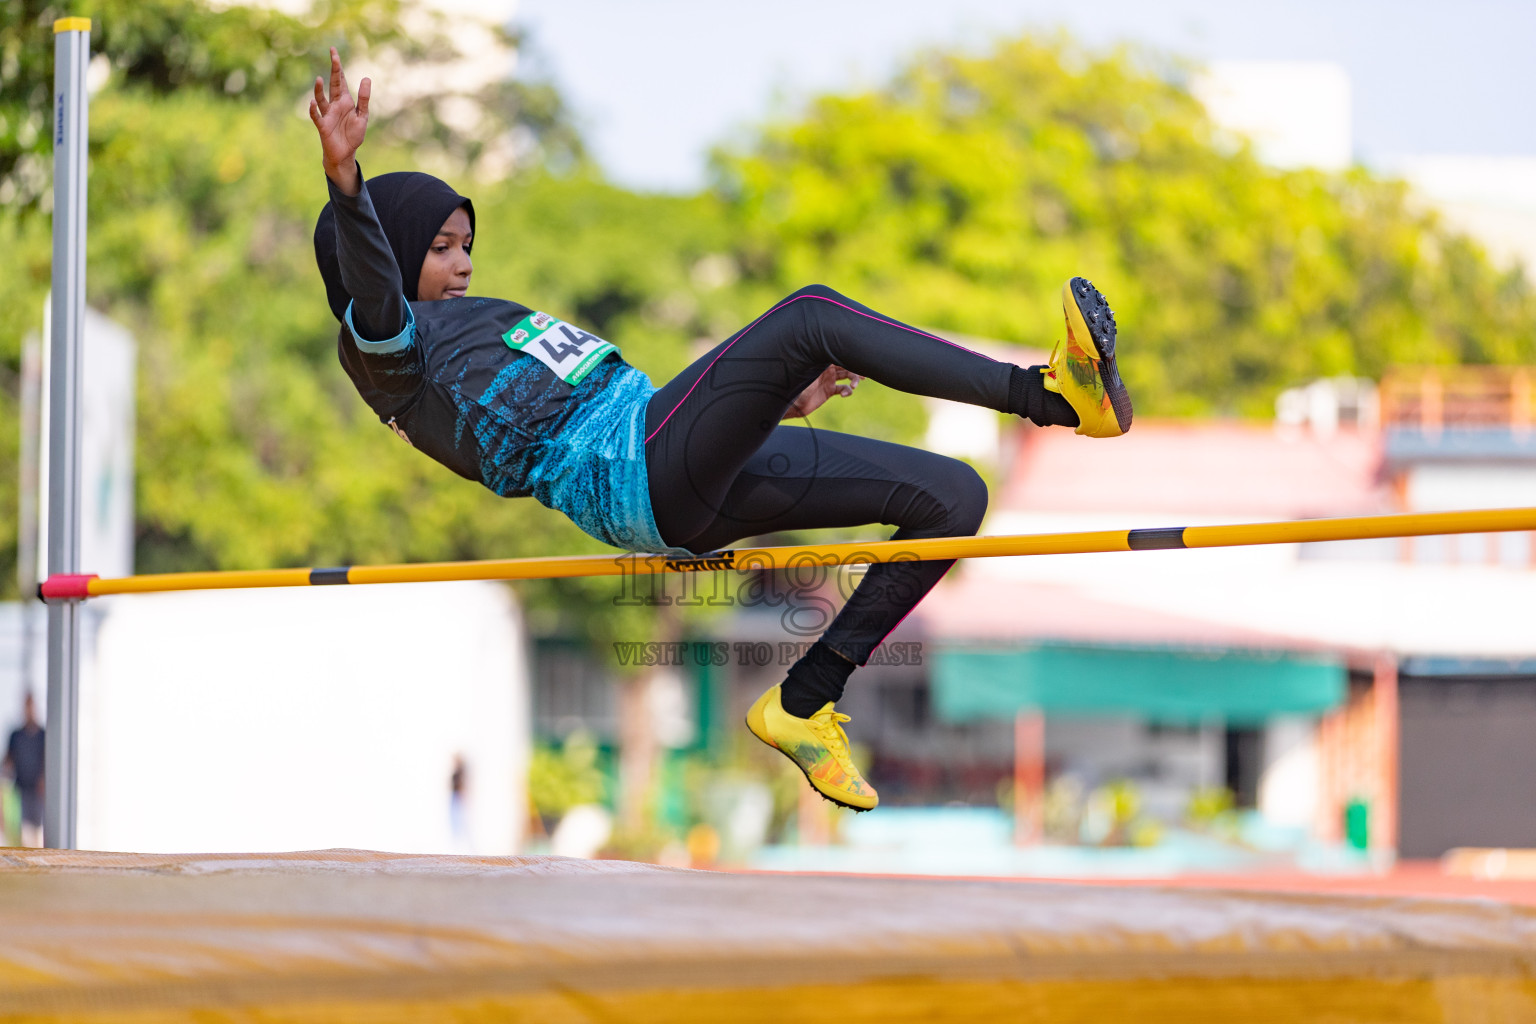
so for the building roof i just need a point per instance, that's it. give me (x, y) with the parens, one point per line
(984, 609)
(1202, 468)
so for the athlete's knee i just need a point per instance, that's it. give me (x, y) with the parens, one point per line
(817, 291)
(965, 498)
(814, 314)
(952, 503)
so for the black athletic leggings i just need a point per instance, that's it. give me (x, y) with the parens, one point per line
(722, 467)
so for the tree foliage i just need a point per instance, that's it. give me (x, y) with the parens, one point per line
(252, 447)
(252, 53)
(964, 193)
(161, 48)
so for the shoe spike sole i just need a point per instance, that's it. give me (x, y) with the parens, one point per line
(1099, 321)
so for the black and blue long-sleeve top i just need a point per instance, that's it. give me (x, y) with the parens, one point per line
(513, 398)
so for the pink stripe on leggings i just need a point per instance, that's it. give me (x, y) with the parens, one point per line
(775, 309)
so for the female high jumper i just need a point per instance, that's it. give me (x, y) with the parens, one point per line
(528, 404)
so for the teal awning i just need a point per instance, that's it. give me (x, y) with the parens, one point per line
(1168, 685)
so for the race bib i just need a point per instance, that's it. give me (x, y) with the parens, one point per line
(569, 352)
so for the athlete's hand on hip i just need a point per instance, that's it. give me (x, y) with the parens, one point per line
(831, 382)
(342, 124)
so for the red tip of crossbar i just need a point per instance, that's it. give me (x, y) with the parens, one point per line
(66, 586)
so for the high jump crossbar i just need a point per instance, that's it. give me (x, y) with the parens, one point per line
(67, 587)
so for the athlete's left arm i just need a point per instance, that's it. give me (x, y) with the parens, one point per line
(343, 125)
(823, 388)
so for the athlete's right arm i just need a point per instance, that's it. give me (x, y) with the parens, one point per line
(379, 317)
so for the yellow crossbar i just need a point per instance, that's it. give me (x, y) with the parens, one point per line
(788, 557)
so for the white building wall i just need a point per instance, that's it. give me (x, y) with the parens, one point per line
(305, 718)
(108, 361)
(1290, 785)
(1448, 487)
(1491, 198)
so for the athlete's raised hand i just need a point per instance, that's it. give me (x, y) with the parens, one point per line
(342, 124)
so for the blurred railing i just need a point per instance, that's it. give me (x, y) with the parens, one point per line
(1434, 398)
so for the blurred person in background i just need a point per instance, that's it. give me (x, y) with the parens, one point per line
(24, 764)
(702, 461)
(458, 813)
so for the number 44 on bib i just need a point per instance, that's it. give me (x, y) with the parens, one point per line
(569, 352)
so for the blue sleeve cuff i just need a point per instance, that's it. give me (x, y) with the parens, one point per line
(399, 343)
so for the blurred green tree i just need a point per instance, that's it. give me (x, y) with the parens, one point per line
(252, 448)
(253, 53)
(963, 194)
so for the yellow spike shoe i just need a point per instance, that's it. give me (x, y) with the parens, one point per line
(817, 745)
(1082, 369)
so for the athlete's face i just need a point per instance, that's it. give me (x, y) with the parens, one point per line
(445, 272)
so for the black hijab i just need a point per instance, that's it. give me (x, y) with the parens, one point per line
(412, 208)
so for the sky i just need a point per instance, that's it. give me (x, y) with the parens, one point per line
(655, 83)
